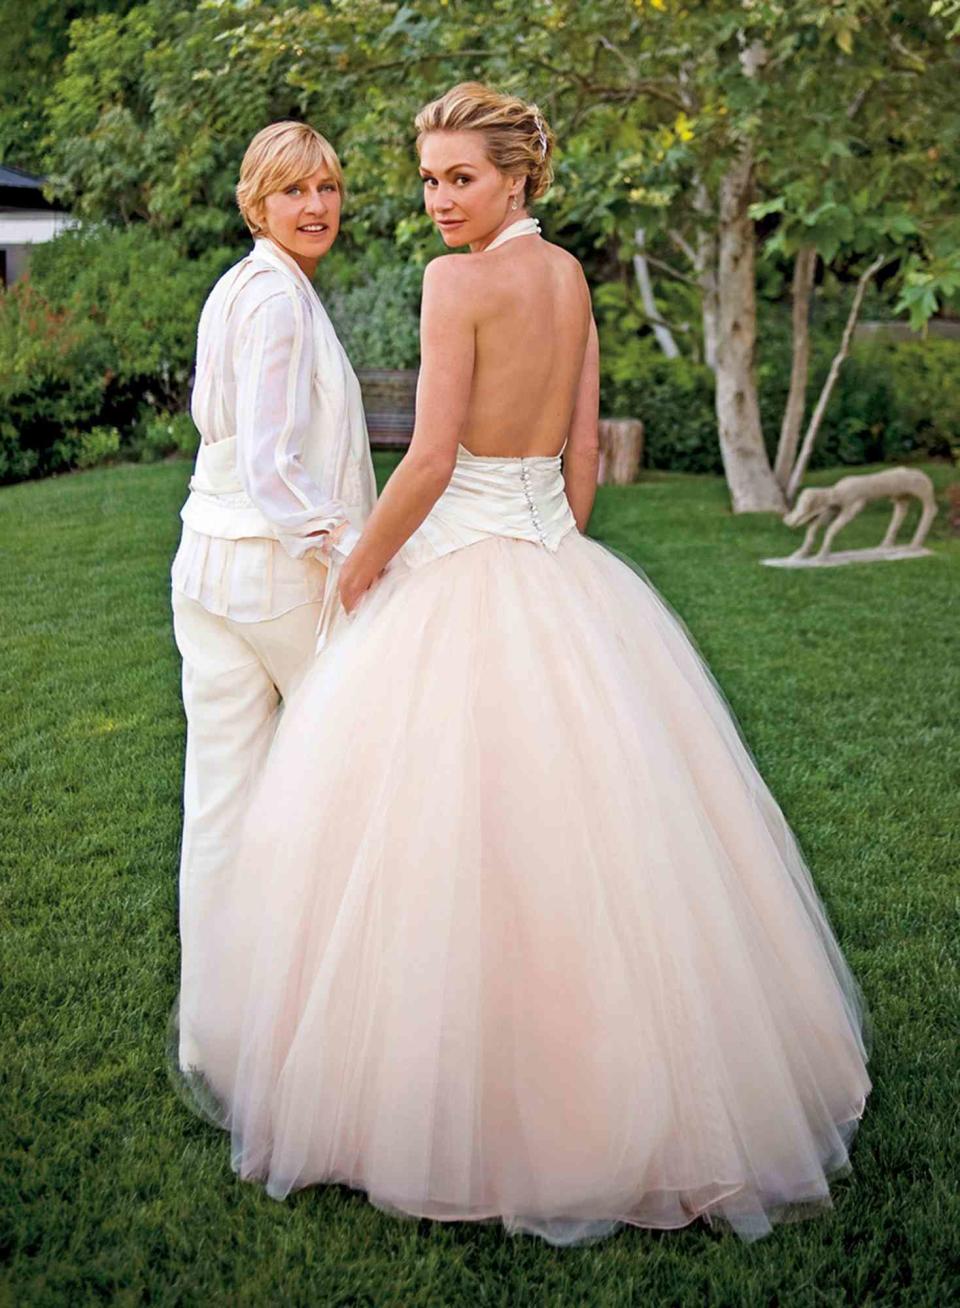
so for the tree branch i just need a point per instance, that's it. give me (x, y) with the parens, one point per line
(683, 245)
(669, 269)
(810, 436)
(660, 329)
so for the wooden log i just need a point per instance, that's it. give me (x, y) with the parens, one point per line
(621, 450)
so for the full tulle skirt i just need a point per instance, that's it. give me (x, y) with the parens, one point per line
(516, 931)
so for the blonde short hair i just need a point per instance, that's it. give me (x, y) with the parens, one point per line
(518, 138)
(277, 156)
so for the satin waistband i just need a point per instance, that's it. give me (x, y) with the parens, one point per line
(215, 470)
(217, 504)
(491, 495)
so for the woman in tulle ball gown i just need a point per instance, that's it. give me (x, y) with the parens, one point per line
(517, 932)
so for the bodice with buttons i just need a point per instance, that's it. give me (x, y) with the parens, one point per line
(488, 495)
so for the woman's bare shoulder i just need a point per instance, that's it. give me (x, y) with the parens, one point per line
(567, 261)
(563, 256)
(452, 276)
(450, 269)
(453, 281)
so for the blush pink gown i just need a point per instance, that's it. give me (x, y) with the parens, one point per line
(518, 932)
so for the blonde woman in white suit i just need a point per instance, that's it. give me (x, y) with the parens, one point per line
(283, 483)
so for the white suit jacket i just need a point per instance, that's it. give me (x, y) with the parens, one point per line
(284, 453)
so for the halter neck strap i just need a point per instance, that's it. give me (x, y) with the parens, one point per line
(523, 227)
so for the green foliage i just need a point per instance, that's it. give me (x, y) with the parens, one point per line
(101, 331)
(928, 283)
(163, 434)
(949, 9)
(650, 102)
(894, 399)
(99, 445)
(36, 37)
(915, 394)
(55, 380)
(153, 112)
(142, 297)
(673, 397)
(86, 449)
(17, 461)
(377, 318)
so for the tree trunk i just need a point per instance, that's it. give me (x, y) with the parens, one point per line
(804, 267)
(703, 259)
(660, 330)
(806, 449)
(753, 487)
(706, 266)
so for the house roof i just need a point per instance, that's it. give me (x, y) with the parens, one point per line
(21, 190)
(17, 177)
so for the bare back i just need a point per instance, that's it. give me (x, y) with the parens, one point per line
(532, 316)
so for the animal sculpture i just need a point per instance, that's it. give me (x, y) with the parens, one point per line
(834, 507)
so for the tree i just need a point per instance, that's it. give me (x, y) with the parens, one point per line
(152, 113)
(678, 122)
(35, 42)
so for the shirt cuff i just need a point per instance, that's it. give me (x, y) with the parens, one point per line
(348, 539)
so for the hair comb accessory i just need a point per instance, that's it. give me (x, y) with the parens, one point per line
(538, 123)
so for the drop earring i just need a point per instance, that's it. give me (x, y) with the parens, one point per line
(514, 203)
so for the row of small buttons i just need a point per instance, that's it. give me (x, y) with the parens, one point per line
(534, 511)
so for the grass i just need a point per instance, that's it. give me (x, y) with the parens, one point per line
(847, 684)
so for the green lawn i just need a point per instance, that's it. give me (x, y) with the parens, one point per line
(847, 684)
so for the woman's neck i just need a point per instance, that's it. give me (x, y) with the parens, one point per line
(477, 247)
(306, 265)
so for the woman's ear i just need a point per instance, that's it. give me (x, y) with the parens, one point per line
(259, 216)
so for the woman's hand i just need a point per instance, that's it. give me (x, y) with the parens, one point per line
(354, 582)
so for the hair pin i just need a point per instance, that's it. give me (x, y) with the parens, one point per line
(542, 136)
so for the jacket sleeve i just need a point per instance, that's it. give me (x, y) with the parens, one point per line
(273, 366)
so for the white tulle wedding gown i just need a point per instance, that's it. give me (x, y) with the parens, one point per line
(517, 931)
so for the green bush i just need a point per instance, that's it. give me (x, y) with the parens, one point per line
(673, 397)
(893, 400)
(918, 385)
(17, 461)
(99, 445)
(163, 434)
(55, 378)
(100, 334)
(376, 318)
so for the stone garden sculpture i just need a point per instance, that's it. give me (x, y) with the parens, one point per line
(833, 507)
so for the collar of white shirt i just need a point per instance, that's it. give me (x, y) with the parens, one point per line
(269, 252)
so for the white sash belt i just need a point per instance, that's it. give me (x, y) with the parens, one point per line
(217, 504)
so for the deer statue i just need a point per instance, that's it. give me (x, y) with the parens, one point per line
(843, 501)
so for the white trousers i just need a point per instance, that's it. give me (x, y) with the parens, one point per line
(234, 676)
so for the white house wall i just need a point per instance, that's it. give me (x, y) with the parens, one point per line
(32, 226)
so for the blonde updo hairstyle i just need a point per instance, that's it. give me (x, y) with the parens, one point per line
(278, 156)
(518, 138)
